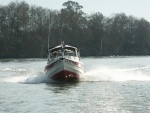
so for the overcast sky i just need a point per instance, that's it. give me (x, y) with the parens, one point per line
(137, 8)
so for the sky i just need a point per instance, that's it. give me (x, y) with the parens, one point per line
(136, 8)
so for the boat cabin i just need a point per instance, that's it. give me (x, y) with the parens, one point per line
(63, 51)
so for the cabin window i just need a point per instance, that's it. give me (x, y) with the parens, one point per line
(68, 52)
(63, 52)
(56, 53)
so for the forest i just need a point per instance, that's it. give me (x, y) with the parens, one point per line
(24, 31)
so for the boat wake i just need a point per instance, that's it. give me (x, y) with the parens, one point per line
(116, 74)
(100, 73)
(24, 77)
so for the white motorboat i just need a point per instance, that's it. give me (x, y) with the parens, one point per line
(64, 64)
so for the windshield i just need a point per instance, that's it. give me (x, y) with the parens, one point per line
(56, 53)
(68, 52)
(63, 52)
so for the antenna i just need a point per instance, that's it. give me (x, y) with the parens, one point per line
(49, 28)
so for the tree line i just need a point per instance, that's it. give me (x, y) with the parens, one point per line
(24, 31)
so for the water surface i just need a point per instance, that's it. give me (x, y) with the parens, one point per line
(110, 85)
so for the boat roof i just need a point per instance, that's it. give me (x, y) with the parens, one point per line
(60, 47)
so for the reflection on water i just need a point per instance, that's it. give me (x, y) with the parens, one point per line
(59, 88)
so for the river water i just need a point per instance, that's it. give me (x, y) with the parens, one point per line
(110, 85)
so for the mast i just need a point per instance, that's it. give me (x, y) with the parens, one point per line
(49, 29)
(49, 36)
(101, 47)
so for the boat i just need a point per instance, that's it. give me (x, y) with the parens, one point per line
(64, 64)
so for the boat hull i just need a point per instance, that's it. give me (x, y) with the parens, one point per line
(64, 70)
